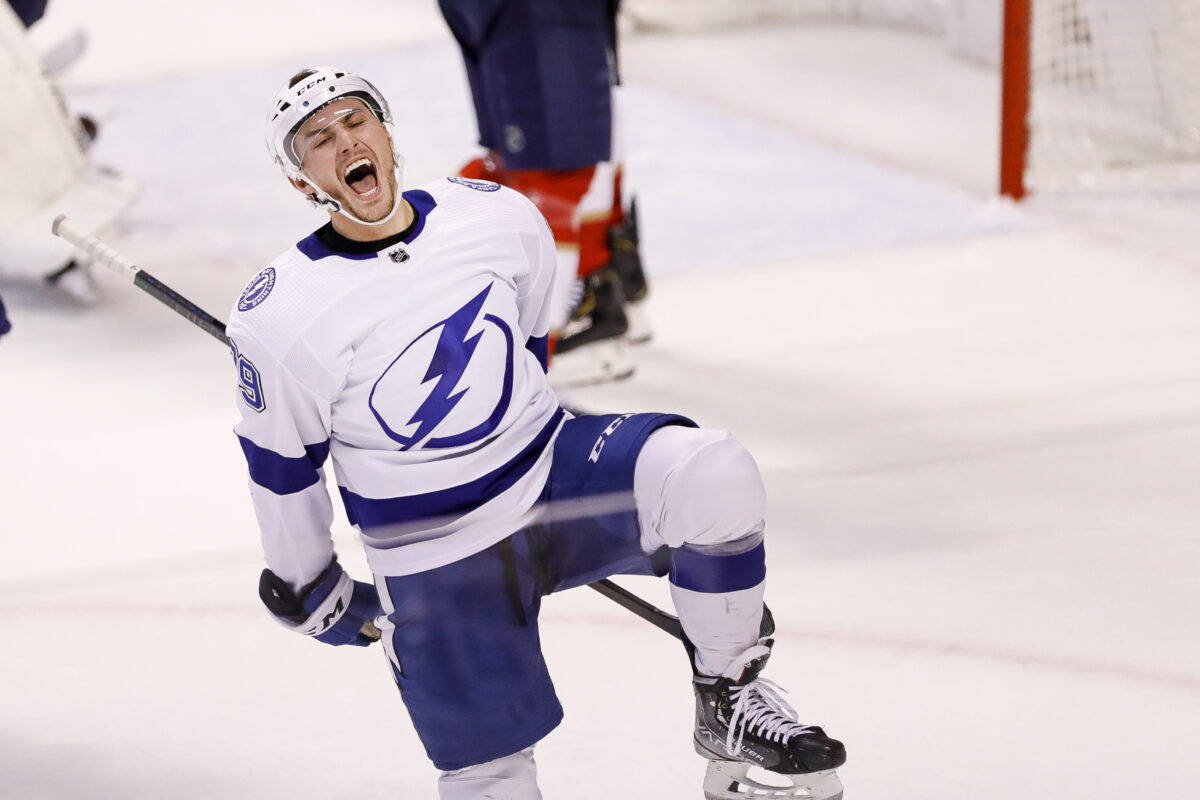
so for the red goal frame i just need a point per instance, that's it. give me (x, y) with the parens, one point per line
(1014, 100)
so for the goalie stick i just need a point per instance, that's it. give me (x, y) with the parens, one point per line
(101, 253)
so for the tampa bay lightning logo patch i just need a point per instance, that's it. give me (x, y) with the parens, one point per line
(452, 385)
(258, 289)
(477, 185)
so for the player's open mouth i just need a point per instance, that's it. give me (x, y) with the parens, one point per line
(360, 176)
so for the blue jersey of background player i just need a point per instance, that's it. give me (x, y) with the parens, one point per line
(5, 325)
(389, 340)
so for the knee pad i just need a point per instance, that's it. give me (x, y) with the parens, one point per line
(697, 487)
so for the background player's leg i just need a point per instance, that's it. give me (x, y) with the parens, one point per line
(512, 778)
(469, 21)
(541, 77)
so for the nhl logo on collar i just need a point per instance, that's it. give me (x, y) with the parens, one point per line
(398, 255)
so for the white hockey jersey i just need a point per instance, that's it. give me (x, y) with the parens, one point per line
(418, 367)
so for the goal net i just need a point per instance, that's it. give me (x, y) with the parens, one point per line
(1098, 93)
(1113, 93)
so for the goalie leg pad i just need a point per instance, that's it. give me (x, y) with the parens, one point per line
(333, 609)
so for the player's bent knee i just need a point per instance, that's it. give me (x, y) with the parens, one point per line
(511, 778)
(697, 487)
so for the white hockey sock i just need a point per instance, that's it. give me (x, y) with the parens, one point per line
(721, 625)
(718, 594)
(510, 778)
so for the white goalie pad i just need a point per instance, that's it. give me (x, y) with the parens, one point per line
(44, 170)
(92, 201)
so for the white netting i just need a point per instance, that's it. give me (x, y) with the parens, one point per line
(685, 15)
(1114, 93)
(1114, 84)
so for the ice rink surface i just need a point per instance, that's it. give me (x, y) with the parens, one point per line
(979, 425)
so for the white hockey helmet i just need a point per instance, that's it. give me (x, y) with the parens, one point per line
(303, 96)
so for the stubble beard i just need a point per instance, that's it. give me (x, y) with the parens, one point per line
(373, 210)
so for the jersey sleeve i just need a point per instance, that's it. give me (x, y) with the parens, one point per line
(535, 289)
(284, 434)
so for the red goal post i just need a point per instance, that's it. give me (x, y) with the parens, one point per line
(1014, 98)
(1100, 95)
(1096, 95)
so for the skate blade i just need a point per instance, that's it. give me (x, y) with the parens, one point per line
(601, 362)
(729, 780)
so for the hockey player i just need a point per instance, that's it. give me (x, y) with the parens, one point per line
(407, 339)
(541, 78)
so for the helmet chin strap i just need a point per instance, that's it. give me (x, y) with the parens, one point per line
(323, 198)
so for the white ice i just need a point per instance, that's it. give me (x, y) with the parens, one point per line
(979, 425)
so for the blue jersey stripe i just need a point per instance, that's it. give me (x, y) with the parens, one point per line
(368, 512)
(281, 474)
(717, 573)
(423, 202)
(540, 347)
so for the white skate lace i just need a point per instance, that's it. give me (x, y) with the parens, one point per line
(759, 706)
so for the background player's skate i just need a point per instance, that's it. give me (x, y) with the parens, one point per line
(599, 265)
(627, 263)
(591, 345)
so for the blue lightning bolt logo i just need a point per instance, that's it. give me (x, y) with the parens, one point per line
(450, 359)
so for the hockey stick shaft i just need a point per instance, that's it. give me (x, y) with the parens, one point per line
(651, 613)
(101, 253)
(105, 255)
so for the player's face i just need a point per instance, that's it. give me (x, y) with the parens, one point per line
(345, 150)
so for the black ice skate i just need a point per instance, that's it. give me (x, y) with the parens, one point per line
(591, 346)
(743, 722)
(627, 263)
